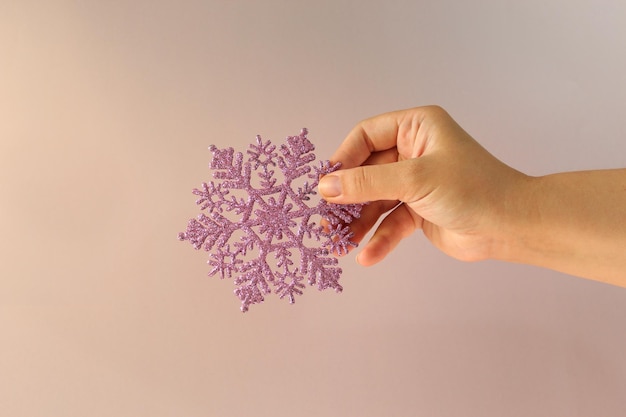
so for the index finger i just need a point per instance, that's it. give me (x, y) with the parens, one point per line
(379, 133)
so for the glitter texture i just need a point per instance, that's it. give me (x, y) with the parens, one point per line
(258, 228)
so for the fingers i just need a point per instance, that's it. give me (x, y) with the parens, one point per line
(399, 181)
(369, 216)
(361, 226)
(399, 224)
(383, 157)
(371, 135)
(405, 130)
(385, 160)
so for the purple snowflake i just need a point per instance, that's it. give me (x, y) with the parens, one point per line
(261, 229)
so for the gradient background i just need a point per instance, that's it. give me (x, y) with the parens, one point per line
(106, 113)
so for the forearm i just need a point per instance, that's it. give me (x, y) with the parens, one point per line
(572, 222)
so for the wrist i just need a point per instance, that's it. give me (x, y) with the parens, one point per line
(515, 239)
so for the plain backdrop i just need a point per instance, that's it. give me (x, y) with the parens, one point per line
(107, 109)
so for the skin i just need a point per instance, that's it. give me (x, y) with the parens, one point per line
(422, 169)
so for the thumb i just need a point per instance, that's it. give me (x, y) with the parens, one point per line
(393, 181)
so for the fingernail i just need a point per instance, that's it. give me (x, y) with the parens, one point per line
(330, 186)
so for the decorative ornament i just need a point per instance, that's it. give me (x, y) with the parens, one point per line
(262, 228)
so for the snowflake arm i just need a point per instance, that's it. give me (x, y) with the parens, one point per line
(338, 240)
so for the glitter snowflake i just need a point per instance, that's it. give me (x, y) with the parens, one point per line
(262, 228)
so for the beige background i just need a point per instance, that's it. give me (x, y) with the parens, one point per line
(106, 112)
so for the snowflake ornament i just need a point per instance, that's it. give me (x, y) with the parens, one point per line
(261, 229)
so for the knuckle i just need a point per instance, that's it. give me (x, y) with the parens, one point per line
(361, 181)
(435, 110)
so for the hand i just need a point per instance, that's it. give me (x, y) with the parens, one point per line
(421, 165)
